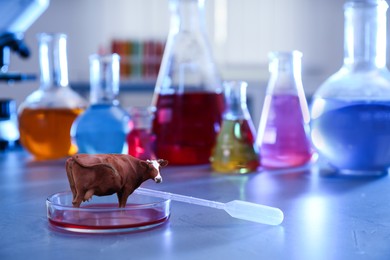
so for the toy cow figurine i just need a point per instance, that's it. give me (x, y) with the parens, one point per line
(106, 174)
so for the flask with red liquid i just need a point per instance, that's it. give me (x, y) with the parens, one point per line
(283, 134)
(188, 96)
(140, 140)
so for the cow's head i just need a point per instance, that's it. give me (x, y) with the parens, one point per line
(155, 166)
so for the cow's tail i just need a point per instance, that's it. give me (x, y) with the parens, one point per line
(69, 163)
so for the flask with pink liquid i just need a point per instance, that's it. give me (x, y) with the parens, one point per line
(141, 140)
(283, 134)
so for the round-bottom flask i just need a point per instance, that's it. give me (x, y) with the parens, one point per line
(103, 127)
(47, 114)
(351, 110)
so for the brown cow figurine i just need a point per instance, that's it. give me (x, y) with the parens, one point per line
(106, 174)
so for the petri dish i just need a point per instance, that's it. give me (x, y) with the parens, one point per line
(102, 214)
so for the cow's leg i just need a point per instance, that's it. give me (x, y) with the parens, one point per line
(74, 197)
(79, 198)
(119, 194)
(69, 173)
(123, 199)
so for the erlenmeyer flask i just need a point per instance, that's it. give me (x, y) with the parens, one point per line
(351, 109)
(103, 127)
(283, 134)
(235, 150)
(188, 95)
(46, 115)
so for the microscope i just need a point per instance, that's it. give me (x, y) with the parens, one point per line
(16, 17)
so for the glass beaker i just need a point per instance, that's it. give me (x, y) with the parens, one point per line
(188, 96)
(46, 115)
(103, 127)
(351, 109)
(235, 150)
(283, 134)
(140, 140)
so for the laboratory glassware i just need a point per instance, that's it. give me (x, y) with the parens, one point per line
(351, 109)
(283, 134)
(188, 93)
(46, 115)
(235, 150)
(140, 140)
(103, 127)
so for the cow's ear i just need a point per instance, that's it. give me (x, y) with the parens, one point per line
(144, 164)
(162, 162)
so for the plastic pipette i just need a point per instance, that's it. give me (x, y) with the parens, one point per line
(236, 208)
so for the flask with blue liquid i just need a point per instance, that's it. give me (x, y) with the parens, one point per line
(103, 127)
(351, 109)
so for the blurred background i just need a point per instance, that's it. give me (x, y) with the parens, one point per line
(241, 34)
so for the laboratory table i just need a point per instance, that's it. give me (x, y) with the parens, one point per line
(326, 216)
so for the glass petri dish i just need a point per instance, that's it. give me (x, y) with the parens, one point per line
(102, 214)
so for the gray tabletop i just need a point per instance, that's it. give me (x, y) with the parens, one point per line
(326, 217)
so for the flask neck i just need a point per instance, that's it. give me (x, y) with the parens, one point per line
(141, 117)
(285, 69)
(365, 34)
(187, 15)
(235, 100)
(53, 60)
(104, 79)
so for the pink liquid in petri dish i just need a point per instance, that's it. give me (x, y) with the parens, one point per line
(104, 215)
(284, 141)
(107, 219)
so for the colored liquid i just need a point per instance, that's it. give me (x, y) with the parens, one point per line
(107, 217)
(101, 129)
(186, 126)
(352, 136)
(235, 151)
(140, 143)
(283, 137)
(45, 132)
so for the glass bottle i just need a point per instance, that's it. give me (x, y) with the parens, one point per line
(140, 140)
(351, 109)
(103, 127)
(235, 150)
(46, 115)
(283, 134)
(188, 95)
